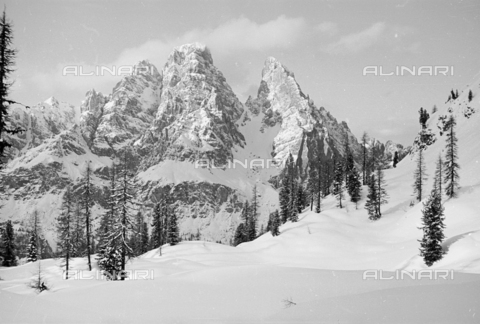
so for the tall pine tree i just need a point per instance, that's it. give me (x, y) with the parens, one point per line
(354, 186)
(338, 186)
(420, 176)
(9, 257)
(64, 229)
(451, 161)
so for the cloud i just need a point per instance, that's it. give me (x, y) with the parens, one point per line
(356, 42)
(240, 34)
(328, 28)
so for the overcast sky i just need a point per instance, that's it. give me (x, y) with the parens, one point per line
(326, 44)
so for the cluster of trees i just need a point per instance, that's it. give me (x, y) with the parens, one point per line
(453, 95)
(122, 233)
(247, 230)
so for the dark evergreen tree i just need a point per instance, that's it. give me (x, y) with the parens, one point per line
(364, 157)
(395, 159)
(275, 224)
(284, 198)
(470, 95)
(239, 236)
(318, 191)
(431, 243)
(107, 220)
(253, 215)
(456, 94)
(451, 165)
(419, 176)
(65, 229)
(7, 60)
(370, 204)
(301, 198)
(123, 224)
(32, 250)
(452, 94)
(423, 117)
(437, 184)
(87, 204)
(338, 186)
(381, 191)
(78, 235)
(144, 238)
(173, 230)
(158, 227)
(348, 161)
(354, 186)
(9, 256)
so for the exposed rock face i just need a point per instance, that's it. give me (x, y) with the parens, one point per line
(197, 111)
(388, 149)
(281, 101)
(167, 122)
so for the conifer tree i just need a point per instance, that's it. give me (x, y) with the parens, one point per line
(470, 95)
(32, 250)
(419, 176)
(65, 229)
(253, 215)
(364, 157)
(370, 204)
(338, 186)
(431, 244)
(158, 227)
(437, 184)
(173, 234)
(123, 225)
(395, 159)
(144, 238)
(451, 165)
(354, 186)
(239, 236)
(301, 198)
(348, 162)
(275, 224)
(9, 257)
(106, 224)
(318, 191)
(380, 190)
(87, 204)
(293, 203)
(78, 235)
(7, 59)
(284, 198)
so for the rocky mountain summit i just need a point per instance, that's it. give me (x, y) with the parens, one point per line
(181, 128)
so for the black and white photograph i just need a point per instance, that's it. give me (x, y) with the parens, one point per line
(240, 162)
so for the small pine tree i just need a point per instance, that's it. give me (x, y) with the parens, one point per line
(370, 204)
(173, 234)
(364, 157)
(284, 197)
(355, 186)
(456, 94)
(395, 159)
(470, 95)
(64, 230)
(275, 224)
(301, 198)
(451, 161)
(9, 257)
(431, 243)
(420, 176)
(32, 250)
(239, 236)
(338, 186)
(452, 94)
